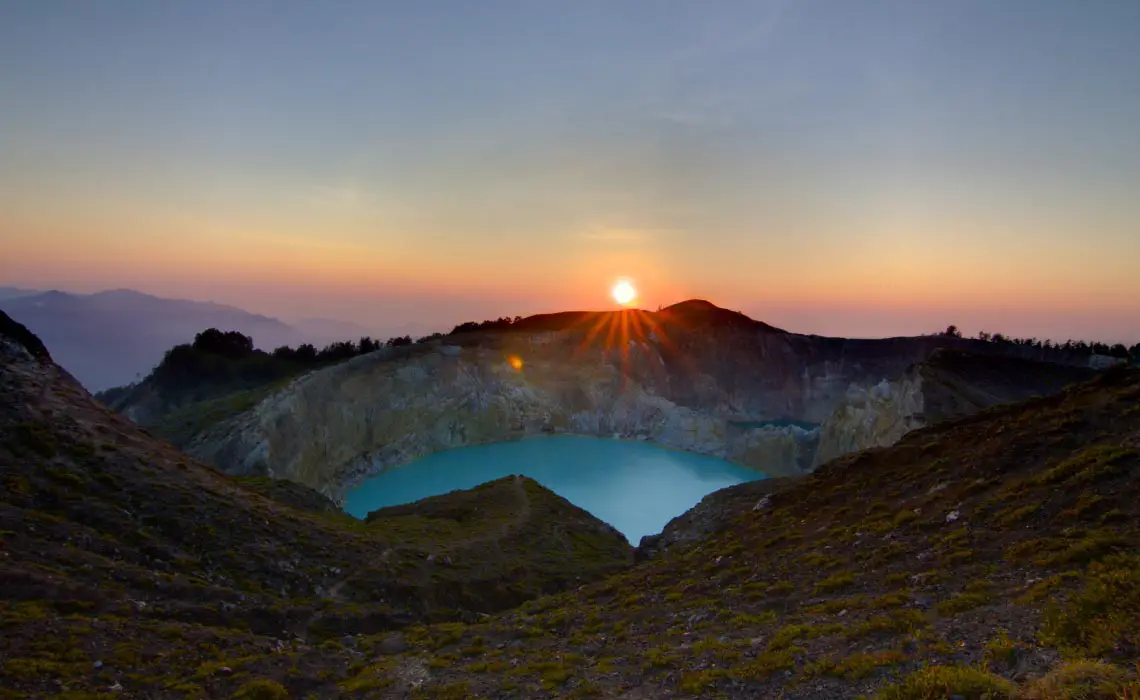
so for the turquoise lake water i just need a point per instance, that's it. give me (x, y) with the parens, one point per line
(634, 486)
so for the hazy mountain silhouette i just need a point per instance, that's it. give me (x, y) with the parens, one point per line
(330, 329)
(115, 337)
(15, 292)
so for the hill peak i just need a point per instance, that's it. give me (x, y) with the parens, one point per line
(704, 312)
(694, 304)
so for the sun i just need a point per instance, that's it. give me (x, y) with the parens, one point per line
(624, 292)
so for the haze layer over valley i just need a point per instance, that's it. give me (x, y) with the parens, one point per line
(116, 337)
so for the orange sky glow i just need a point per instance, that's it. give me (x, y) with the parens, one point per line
(824, 168)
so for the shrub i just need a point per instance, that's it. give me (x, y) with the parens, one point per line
(834, 582)
(698, 681)
(941, 682)
(1103, 616)
(1078, 680)
(1092, 464)
(961, 603)
(856, 666)
(261, 690)
(1001, 649)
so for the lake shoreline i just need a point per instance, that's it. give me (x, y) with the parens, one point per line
(636, 485)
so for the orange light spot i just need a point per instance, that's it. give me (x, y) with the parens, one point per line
(516, 362)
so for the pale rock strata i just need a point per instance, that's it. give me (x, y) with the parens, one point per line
(331, 428)
(877, 415)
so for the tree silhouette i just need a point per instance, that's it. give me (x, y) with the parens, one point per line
(306, 353)
(229, 344)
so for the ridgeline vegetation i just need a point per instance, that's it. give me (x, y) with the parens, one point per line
(499, 324)
(219, 361)
(228, 360)
(1079, 347)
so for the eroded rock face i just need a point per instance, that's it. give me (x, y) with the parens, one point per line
(333, 427)
(733, 388)
(872, 415)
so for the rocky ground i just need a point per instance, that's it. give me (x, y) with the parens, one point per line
(996, 555)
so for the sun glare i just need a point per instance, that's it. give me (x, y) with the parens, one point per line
(624, 292)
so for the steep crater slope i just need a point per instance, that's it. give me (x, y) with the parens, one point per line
(996, 556)
(125, 564)
(693, 377)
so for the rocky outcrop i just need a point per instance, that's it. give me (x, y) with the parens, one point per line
(871, 415)
(692, 377)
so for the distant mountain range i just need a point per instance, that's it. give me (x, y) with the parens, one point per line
(14, 292)
(116, 337)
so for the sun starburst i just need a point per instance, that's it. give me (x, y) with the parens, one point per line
(623, 292)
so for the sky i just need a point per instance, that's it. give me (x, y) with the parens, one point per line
(844, 168)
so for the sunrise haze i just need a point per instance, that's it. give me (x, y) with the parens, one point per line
(871, 168)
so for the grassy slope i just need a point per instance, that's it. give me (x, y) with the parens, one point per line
(181, 425)
(1008, 539)
(123, 562)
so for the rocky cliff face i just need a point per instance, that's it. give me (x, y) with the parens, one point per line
(333, 427)
(946, 385)
(692, 377)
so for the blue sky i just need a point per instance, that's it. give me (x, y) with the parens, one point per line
(907, 161)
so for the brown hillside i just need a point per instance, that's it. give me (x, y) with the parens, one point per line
(993, 556)
(125, 564)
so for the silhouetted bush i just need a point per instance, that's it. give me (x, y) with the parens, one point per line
(498, 324)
